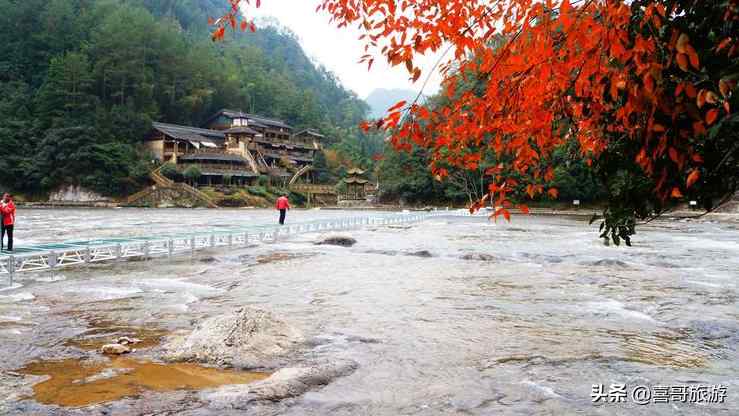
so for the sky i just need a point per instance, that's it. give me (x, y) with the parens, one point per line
(339, 50)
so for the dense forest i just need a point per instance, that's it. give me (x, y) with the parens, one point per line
(81, 81)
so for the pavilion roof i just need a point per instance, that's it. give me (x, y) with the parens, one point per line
(356, 180)
(355, 171)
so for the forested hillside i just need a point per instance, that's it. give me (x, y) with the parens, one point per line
(81, 81)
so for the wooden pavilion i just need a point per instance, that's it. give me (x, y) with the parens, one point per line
(355, 185)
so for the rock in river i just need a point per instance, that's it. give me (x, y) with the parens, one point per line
(114, 349)
(338, 240)
(246, 338)
(422, 253)
(127, 341)
(478, 257)
(285, 383)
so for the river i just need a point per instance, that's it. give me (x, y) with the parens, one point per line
(457, 316)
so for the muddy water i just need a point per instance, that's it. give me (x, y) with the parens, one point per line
(76, 383)
(519, 318)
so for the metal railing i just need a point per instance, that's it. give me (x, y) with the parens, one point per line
(53, 256)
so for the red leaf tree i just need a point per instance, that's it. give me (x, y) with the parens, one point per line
(647, 89)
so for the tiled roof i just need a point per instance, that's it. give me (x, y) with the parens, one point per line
(310, 132)
(254, 119)
(188, 133)
(241, 130)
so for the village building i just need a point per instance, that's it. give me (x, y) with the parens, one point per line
(275, 149)
(236, 145)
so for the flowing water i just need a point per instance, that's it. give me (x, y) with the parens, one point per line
(455, 316)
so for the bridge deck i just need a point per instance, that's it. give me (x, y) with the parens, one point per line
(53, 255)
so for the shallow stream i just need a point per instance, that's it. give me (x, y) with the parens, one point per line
(457, 316)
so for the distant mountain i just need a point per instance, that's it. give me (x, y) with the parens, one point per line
(381, 99)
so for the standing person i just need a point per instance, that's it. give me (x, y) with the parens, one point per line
(2, 226)
(282, 205)
(8, 212)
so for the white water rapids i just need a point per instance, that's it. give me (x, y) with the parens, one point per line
(495, 319)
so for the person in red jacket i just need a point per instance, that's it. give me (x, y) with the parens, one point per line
(282, 205)
(2, 227)
(7, 208)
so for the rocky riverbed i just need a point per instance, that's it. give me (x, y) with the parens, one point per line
(450, 316)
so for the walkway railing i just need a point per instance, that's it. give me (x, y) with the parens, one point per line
(308, 188)
(53, 256)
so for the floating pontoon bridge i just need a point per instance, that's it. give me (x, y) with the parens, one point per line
(52, 256)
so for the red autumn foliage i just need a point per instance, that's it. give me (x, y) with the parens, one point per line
(598, 71)
(551, 71)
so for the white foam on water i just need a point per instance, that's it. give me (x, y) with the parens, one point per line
(706, 284)
(190, 298)
(181, 307)
(704, 243)
(544, 389)
(714, 276)
(54, 278)
(11, 331)
(177, 285)
(105, 292)
(18, 297)
(435, 223)
(10, 318)
(11, 287)
(615, 307)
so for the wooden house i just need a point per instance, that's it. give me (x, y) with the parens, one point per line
(236, 144)
(205, 149)
(274, 147)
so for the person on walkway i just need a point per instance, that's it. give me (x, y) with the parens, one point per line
(2, 227)
(282, 205)
(7, 208)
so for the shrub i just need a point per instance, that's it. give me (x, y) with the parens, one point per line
(258, 191)
(169, 170)
(192, 174)
(297, 199)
